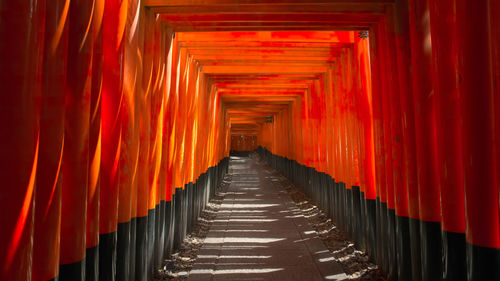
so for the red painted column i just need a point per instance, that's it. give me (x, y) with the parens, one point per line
(494, 9)
(164, 180)
(143, 112)
(113, 26)
(398, 227)
(21, 26)
(425, 132)
(46, 248)
(128, 168)
(76, 142)
(143, 99)
(129, 147)
(95, 137)
(408, 243)
(480, 179)
(135, 50)
(155, 141)
(127, 222)
(380, 154)
(367, 160)
(392, 138)
(449, 137)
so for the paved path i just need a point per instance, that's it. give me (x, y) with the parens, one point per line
(260, 234)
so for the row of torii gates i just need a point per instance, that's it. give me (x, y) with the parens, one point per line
(118, 117)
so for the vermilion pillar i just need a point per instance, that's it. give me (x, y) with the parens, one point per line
(449, 137)
(425, 136)
(128, 178)
(392, 138)
(143, 100)
(76, 143)
(163, 219)
(21, 23)
(128, 167)
(128, 147)
(51, 146)
(113, 26)
(367, 163)
(408, 238)
(156, 130)
(480, 181)
(95, 142)
(380, 154)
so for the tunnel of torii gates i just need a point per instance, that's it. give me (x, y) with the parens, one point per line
(118, 117)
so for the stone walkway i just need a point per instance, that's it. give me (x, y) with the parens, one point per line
(260, 234)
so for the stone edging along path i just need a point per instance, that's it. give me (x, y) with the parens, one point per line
(356, 264)
(178, 265)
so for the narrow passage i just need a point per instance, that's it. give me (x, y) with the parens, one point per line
(260, 234)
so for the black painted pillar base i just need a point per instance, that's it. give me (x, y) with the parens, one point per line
(133, 247)
(141, 249)
(391, 243)
(123, 252)
(160, 234)
(342, 206)
(362, 222)
(92, 264)
(416, 269)
(454, 258)
(403, 246)
(177, 218)
(168, 229)
(184, 213)
(430, 243)
(72, 271)
(356, 216)
(336, 202)
(483, 263)
(378, 233)
(107, 256)
(331, 197)
(151, 243)
(371, 224)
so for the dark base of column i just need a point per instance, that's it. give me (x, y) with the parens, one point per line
(92, 264)
(160, 254)
(403, 246)
(391, 245)
(356, 217)
(454, 259)
(382, 243)
(416, 264)
(371, 224)
(107, 256)
(151, 242)
(177, 218)
(141, 249)
(169, 229)
(362, 222)
(133, 247)
(483, 263)
(430, 243)
(123, 252)
(159, 232)
(72, 271)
